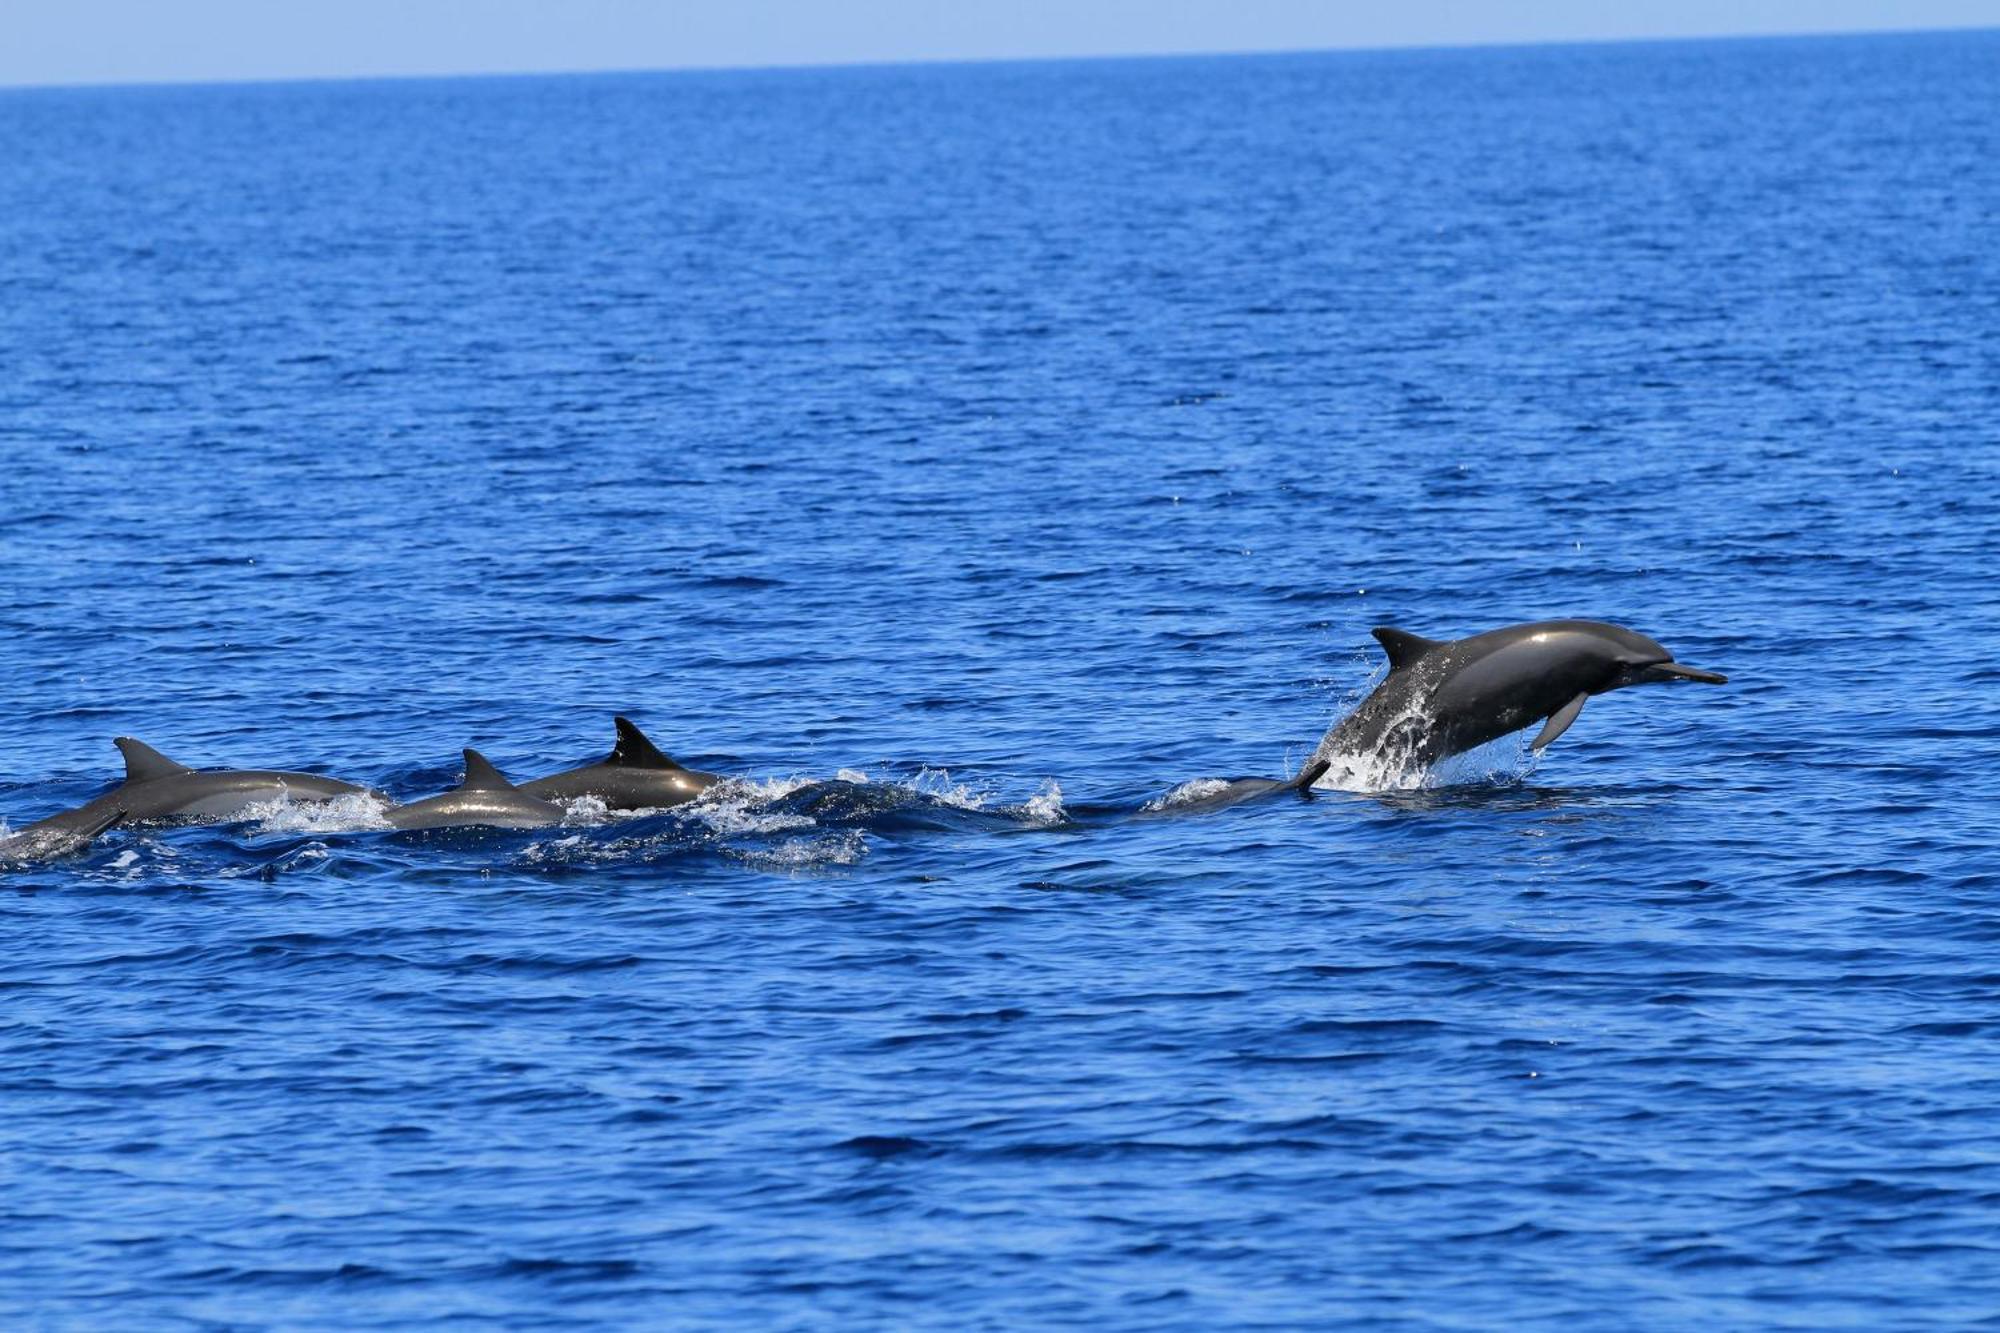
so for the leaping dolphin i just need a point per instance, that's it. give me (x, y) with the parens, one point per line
(636, 775)
(1445, 697)
(484, 799)
(157, 788)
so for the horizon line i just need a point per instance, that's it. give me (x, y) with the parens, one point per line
(804, 66)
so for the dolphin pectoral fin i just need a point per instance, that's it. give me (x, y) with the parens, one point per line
(1558, 722)
(103, 823)
(143, 763)
(1402, 646)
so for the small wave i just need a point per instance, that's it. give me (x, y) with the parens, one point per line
(311, 858)
(792, 855)
(583, 849)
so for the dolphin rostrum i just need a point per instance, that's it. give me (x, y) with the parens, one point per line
(634, 776)
(157, 788)
(1445, 697)
(484, 799)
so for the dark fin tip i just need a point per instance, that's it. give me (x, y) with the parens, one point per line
(633, 750)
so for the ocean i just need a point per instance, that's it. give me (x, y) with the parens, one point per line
(963, 459)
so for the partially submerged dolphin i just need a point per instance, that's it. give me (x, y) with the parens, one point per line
(157, 788)
(1235, 791)
(57, 836)
(1445, 697)
(484, 799)
(636, 775)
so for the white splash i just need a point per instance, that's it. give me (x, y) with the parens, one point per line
(1395, 767)
(853, 775)
(583, 811)
(1372, 772)
(936, 783)
(734, 806)
(1045, 808)
(1195, 789)
(354, 813)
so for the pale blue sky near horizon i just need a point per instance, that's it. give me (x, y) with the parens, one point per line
(144, 41)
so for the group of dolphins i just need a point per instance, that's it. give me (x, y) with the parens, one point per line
(1440, 698)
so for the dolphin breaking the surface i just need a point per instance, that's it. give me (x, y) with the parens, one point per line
(485, 799)
(1443, 697)
(636, 775)
(1440, 698)
(157, 788)
(58, 836)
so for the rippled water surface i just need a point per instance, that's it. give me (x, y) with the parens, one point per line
(962, 459)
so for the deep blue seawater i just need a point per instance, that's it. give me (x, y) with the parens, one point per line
(1021, 439)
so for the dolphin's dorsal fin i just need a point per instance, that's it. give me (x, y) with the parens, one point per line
(480, 775)
(633, 750)
(1402, 646)
(143, 763)
(1558, 722)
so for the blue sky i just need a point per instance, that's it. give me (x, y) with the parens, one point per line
(118, 41)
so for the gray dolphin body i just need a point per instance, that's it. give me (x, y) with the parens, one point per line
(484, 800)
(157, 788)
(636, 775)
(57, 836)
(1445, 697)
(1240, 790)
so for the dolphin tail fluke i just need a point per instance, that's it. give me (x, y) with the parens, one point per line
(143, 763)
(1311, 773)
(633, 750)
(480, 775)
